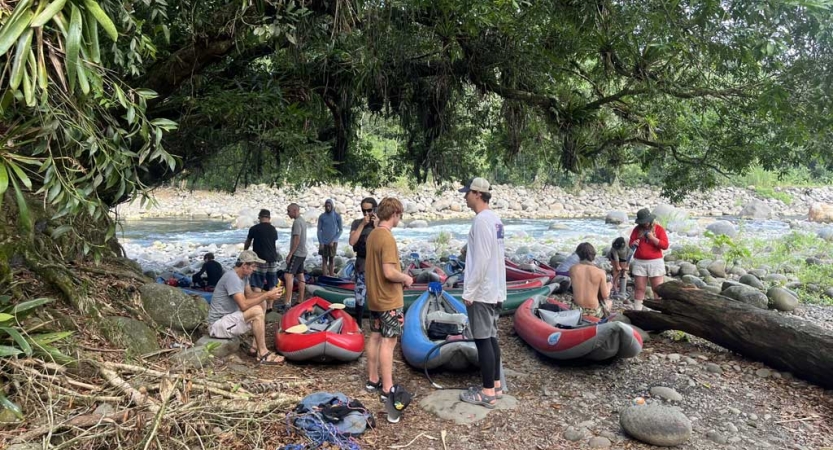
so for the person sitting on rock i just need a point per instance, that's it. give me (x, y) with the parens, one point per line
(236, 308)
(212, 271)
(590, 289)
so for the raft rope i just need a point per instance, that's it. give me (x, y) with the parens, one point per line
(319, 432)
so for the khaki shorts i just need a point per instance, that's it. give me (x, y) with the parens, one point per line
(229, 326)
(648, 268)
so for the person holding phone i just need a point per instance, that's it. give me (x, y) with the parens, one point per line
(359, 231)
(650, 240)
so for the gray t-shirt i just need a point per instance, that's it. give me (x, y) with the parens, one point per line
(222, 301)
(299, 228)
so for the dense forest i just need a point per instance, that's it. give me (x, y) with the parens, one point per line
(102, 100)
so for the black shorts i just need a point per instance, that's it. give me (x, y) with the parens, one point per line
(295, 266)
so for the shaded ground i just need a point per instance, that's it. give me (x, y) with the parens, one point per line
(728, 398)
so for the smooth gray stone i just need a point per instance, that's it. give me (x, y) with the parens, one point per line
(656, 424)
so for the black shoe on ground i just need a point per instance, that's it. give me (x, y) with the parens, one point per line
(372, 387)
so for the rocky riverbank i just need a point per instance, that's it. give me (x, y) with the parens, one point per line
(429, 203)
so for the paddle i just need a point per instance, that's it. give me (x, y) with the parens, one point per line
(303, 328)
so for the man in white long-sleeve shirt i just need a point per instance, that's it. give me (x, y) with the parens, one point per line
(484, 290)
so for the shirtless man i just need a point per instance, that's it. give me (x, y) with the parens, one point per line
(590, 284)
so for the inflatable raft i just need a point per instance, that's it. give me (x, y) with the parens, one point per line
(334, 337)
(561, 333)
(434, 318)
(342, 283)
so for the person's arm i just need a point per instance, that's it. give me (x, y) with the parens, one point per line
(660, 238)
(481, 254)
(248, 240)
(356, 232)
(320, 233)
(293, 245)
(339, 228)
(390, 263)
(247, 299)
(202, 271)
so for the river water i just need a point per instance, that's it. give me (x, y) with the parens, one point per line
(159, 244)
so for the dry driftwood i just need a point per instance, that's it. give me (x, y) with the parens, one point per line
(783, 342)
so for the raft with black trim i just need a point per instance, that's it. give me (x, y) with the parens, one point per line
(566, 334)
(336, 337)
(451, 322)
(339, 282)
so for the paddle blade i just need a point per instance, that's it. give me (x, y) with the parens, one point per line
(337, 306)
(297, 329)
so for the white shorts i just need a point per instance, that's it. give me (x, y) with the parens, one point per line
(229, 326)
(648, 268)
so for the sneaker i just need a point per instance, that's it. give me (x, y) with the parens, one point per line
(396, 401)
(372, 387)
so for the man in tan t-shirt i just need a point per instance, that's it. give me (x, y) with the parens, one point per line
(385, 299)
(589, 284)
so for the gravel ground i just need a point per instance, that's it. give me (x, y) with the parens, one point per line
(732, 402)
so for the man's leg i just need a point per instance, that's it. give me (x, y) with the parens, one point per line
(288, 279)
(302, 286)
(386, 362)
(255, 317)
(372, 350)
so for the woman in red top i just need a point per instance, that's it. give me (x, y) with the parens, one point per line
(650, 240)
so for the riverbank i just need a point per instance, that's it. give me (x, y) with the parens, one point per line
(429, 203)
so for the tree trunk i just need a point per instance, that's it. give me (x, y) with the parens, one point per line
(783, 342)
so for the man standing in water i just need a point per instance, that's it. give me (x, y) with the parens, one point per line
(484, 290)
(262, 239)
(329, 231)
(296, 256)
(590, 289)
(386, 300)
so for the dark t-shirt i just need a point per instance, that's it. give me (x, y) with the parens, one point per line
(361, 245)
(263, 236)
(213, 271)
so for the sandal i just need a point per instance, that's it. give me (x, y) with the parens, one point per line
(498, 391)
(270, 359)
(478, 397)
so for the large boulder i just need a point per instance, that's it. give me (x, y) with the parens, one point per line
(656, 424)
(419, 223)
(826, 233)
(616, 217)
(138, 338)
(691, 279)
(820, 212)
(687, 268)
(723, 227)
(748, 295)
(172, 308)
(781, 299)
(756, 209)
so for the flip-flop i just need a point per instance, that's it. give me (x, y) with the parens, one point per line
(265, 361)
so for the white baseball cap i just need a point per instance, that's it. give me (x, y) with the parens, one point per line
(477, 184)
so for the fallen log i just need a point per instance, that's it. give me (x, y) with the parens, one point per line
(784, 342)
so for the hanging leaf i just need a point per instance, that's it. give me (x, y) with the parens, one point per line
(25, 220)
(21, 175)
(48, 13)
(102, 18)
(4, 179)
(21, 55)
(18, 339)
(91, 31)
(12, 30)
(73, 45)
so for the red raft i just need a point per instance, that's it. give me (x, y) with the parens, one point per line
(566, 334)
(515, 271)
(335, 337)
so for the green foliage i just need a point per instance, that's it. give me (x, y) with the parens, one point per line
(777, 195)
(692, 253)
(734, 250)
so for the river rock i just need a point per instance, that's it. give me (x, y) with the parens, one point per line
(781, 299)
(599, 442)
(756, 209)
(776, 278)
(820, 212)
(825, 233)
(687, 268)
(137, 337)
(759, 272)
(656, 424)
(170, 307)
(717, 268)
(191, 358)
(616, 217)
(748, 295)
(666, 393)
(736, 270)
(694, 280)
(723, 227)
(751, 280)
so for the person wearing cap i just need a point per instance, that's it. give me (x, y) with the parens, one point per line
(650, 240)
(296, 256)
(212, 271)
(262, 238)
(484, 290)
(329, 232)
(385, 299)
(360, 229)
(590, 290)
(236, 308)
